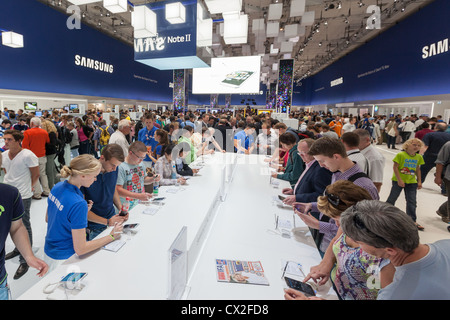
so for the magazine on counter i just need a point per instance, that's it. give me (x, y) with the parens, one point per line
(237, 271)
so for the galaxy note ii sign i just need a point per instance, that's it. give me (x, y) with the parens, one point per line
(159, 43)
(93, 64)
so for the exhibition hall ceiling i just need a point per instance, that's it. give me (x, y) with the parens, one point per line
(339, 27)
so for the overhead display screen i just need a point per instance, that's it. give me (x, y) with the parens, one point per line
(228, 75)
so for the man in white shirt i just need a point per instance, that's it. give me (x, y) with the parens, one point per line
(351, 143)
(419, 122)
(376, 159)
(266, 140)
(408, 129)
(119, 136)
(349, 126)
(302, 126)
(22, 171)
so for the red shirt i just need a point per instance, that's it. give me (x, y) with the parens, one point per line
(420, 134)
(34, 139)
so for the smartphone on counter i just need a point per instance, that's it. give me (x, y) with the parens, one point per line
(281, 198)
(130, 226)
(74, 277)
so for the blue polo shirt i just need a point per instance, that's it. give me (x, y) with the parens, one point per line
(246, 140)
(11, 209)
(67, 211)
(101, 192)
(148, 138)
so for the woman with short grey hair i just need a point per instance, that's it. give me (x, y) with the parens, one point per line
(380, 225)
(383, 230)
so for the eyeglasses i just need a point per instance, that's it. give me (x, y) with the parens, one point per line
(361, 225)
(333, 199)
(142, 158)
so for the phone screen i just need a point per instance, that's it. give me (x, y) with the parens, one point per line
(131, 226)
(74, 276)
(300, 208)
(237, 78)
(300, 286)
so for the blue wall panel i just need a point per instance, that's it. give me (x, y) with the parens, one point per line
(390, 65)
(47, 62)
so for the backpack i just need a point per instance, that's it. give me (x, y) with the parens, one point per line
(66, 136)
(357, 176)
(104, 136)
(302, 135)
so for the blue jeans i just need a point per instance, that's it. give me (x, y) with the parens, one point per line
(4, 291)
(94, 233)
(429, 164)
(26, 222)
(391, 141)
(84, 147)
(74, 153)
(410, 190)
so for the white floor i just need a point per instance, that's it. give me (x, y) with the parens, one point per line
(429, 200)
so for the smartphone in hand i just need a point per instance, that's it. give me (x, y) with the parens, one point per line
(302, 207)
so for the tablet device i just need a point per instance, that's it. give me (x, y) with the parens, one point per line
(300, 286)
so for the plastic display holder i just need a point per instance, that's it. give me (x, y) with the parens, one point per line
(223, 191)
(178, 267)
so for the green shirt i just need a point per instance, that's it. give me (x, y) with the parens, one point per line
(192, 154)
(294, 167)
(407, 166)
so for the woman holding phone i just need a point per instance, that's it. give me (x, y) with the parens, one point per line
(67, 213)
(355, 274)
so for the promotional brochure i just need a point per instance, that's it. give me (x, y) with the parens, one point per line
(237, 271)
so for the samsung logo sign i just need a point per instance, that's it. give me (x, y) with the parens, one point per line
(93, 64)
(337, 82)
(435, 49)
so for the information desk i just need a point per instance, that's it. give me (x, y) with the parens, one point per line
(233, 227)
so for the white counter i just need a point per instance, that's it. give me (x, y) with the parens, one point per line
(233, 229)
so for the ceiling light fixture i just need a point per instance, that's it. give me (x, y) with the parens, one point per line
(116, 6)
(143, 21)
(175, 13)
(80, 2)
(12, 39)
